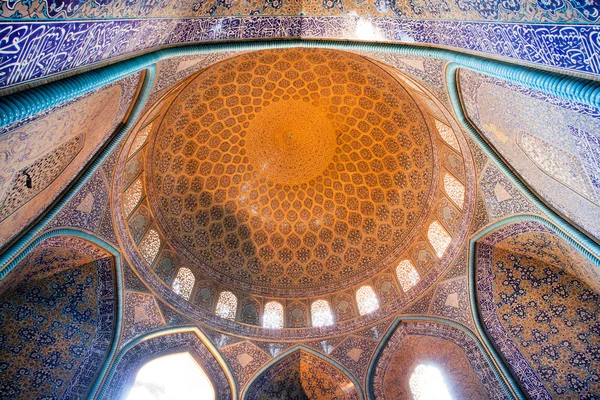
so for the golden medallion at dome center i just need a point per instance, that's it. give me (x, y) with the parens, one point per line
(291, 142)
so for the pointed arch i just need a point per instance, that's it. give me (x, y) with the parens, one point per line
(191, 339)
(257, 382)
(482, 253)
(89, 379)
(458, 334)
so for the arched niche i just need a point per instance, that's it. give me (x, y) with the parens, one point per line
(539, 304)
(135, 355)
(42, 156)
(58, 318)
(466, 371)
(302, 374)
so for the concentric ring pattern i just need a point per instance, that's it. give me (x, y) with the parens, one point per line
(290, 169)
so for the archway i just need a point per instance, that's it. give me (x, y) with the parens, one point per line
(538, 304)
(62, 294)
(302, 374)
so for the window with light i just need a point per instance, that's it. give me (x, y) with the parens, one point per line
(366, 300)
(439, 238)
(226, 305)
(454, 189)
(407, 275)
(427, 383)
(173, 377)
(273, 315)
(184, 283)
(150, 245)
(321, 313)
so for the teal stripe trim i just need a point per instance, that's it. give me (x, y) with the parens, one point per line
(119, 290)
(110, 372)
(24, 104)
(579, 240)
(462, 328)
(281, 356)
(19, 105)
(473, 279)
(11, 257)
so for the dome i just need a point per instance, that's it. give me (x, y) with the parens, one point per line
(288, 172)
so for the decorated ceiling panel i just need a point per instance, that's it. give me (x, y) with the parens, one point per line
(310, 197)
(551, 142)
(269, 170)
(541, 318)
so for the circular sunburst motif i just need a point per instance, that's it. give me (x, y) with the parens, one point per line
(291, 169)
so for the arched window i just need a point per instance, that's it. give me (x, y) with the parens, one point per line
(321, 313)
(273, 315)
(184, 283)
(407, 275)
(226, 305)
(366, 300)
(132, 196)
(454, 189)
(427, 383)
(439, 238)
(176, 376)
(150, 245)
(447, 134)
(140, 139)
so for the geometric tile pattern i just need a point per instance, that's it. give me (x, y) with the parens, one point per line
(120, 37)
(245, 359)
(541, 318)
(141, 314)
(239, 198)
(466, 370)
(302, 375)
(127, 368)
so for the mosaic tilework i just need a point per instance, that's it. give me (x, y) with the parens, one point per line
(458, 374)
(354, 353)
(564, 46)
(36, 140)
(427, 71)
(552, 143)
(351, 322)
(245, 359)
(520, 10)
(259, 206)
(479, 157)
(452, 301)
(459, 267)
(172, 317)
(137, 356)
(220, 339)
(140, 221)
(164, 267)
(131, 281)
(45, 131)
(501, 197)
(87, 208)
(141, 314)
(273, 348)
(50, 356)
(482, 217)
(537, 241)
(302, 375)
(375, 332)
(539, 316)
(467, 374)
(51, 256)
(325, 346)
(421, 306)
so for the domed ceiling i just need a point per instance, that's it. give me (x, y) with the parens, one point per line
(279, 172)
